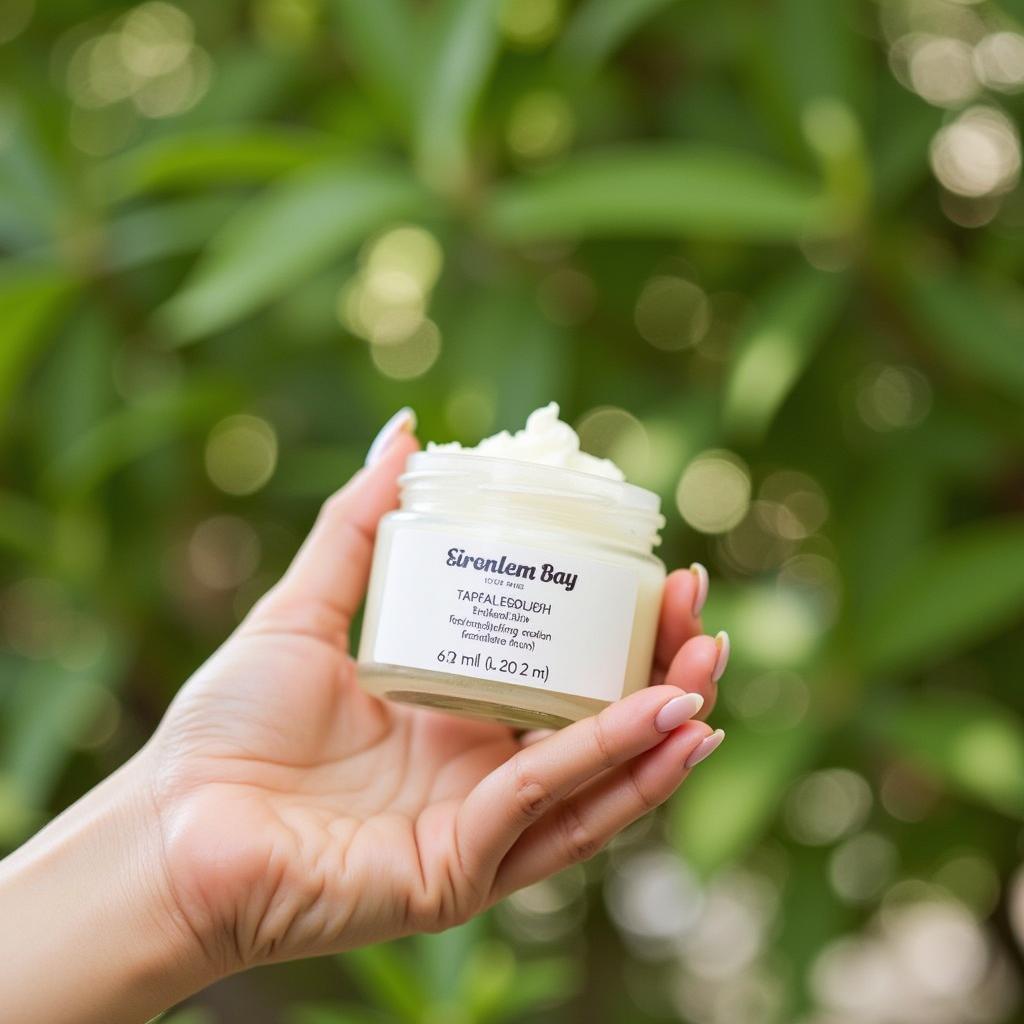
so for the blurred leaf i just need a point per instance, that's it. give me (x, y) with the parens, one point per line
(30, 195)
(390, 977)
(657, 191)
(24, 524)
(537, 985)
(905, 128)
(723, 809)
(790, 318)
(598, 27)
(973, 744)
(979, 328)
(380, 40)
(443, 957)
(332, 1015)
(964, 588)
(202, 159)
(283, 236)
(819, 51)
(133, 431)
(156, 233)
(47, 707)
(192, 1015)
(456, 62)
(31, 300)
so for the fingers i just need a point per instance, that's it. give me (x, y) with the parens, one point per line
(684, 595)
(519, 792)
(327, 578)
(580, 826)
(697, 667)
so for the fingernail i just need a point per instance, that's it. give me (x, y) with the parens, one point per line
(703, 582)
(722, 642)
(404, 419)
(678, 710)
(705, 748)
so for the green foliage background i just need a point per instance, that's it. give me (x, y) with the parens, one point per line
(168, 263)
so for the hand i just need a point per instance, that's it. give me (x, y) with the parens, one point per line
(279, 811)
(303, 816)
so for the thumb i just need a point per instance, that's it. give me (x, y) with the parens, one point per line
(323, 586)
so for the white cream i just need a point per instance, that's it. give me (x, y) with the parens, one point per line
(545, 440)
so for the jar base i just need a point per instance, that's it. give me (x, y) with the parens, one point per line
(522, 707)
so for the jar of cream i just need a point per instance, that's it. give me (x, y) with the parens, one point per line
(516, 581)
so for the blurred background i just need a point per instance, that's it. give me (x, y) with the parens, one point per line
(766, 253)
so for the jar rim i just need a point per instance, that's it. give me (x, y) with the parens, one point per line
(537, 477)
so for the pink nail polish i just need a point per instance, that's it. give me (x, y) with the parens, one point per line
(722, 640)
(703, 582)
(404, 419)
(705, 748)
(678, 710)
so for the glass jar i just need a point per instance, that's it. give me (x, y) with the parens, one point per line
(512, 591)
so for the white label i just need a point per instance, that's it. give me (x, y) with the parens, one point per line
(506, 612)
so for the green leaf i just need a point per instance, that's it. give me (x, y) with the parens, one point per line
(818, 49)
(537, 985)
(978, 328)
(963, 588)
(24, 525)
(658, 191)
(132, 432)
(791, 318)
(722, 811)
(201, 159)
(389, 976)
(157, 233)
(31, 300)
(973, 744)
(457, 61)
(47, 705)
(598, 27)
(283, 236)
(191, 1015)
(380, 40)
(313, 1014)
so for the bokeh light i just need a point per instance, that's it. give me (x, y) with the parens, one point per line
(713, 494)
(978, 154)
(540, 126)
(223, 552)
(386, 303)
(893, 397)
(862, 866)
(672, 313)
(241, 454)
(827, 805)
(612, 433)
(530, 24)
(999, 61)
(149, 58)
(411, 356)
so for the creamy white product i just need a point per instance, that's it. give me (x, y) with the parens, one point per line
(545, 440)
(516, 581)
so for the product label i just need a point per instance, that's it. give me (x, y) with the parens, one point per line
(507, 612)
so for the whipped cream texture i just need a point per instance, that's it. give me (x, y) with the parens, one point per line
(545, 440)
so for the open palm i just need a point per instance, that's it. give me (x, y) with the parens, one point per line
(302, 816)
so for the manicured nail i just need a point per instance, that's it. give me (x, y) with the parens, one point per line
(404, 419)
(678, 710)
(701, 596)
(722, 642)
(705, 748)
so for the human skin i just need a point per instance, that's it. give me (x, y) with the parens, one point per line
(279, 811)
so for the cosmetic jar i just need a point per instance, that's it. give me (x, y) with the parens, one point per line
(512, 590)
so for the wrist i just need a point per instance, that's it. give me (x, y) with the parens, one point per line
(89, 929)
